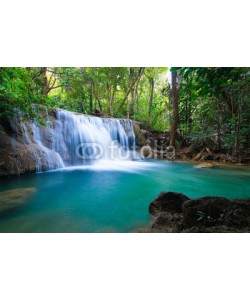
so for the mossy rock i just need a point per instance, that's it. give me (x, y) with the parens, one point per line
(136, 127)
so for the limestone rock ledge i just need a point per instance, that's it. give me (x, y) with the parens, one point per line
(19, 153)
(16, 157)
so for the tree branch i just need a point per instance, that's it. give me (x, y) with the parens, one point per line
(130, 88)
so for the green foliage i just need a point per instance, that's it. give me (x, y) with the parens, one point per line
(17, 92)
(213, 103)
(86, 90)
(200, 140)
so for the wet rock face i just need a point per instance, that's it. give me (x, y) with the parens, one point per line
(167, 202)
(175, 212)
(16, 157)
(15, 198)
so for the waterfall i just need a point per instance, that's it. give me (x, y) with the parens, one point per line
(82, 139)
(52, 159)
(72, 139)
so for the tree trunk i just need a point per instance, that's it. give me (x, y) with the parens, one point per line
(133, 103)
(91, 98)
(174, 124)
(111, 102)
(152, 83)
(98, 100)
(190, 111)
(44, 82)
(237, 129)
(219, 121)
(135, 97)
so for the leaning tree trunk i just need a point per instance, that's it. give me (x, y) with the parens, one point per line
(174, 97)
(135, 98)
(128, 107)
(138, 78)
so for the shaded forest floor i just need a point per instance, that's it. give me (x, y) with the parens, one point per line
(205, 154)
(210, 157)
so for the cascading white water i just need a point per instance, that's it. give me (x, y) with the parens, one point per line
(73, 139)
(52, 158)
(81, 139)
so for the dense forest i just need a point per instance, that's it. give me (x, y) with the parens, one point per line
(203, 107)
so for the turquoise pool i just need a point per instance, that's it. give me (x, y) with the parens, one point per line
(112, 197)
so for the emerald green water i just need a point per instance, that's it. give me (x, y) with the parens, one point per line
(112, 197)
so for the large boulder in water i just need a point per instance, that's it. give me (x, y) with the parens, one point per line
(208, 211)
(175, 212)
(167, 202)
(15, 198)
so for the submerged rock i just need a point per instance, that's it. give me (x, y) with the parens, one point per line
(167, 202)
(205, 165)
(15, 198)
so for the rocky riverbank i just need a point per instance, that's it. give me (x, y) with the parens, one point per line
(175, 212)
